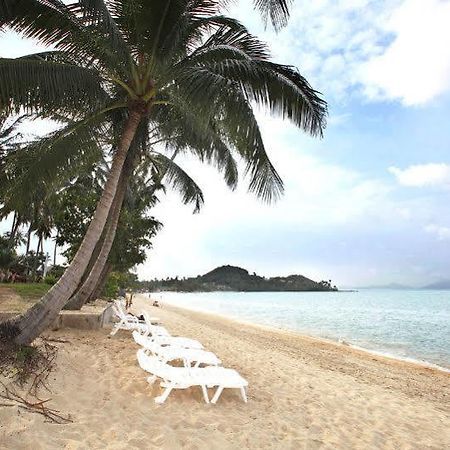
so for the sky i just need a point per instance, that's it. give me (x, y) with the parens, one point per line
(369, 203)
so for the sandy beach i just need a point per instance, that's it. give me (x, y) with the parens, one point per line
(303, 394)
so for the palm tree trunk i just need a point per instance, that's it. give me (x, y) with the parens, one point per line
(101, 282)
(28, 239)
(26, 327)
(11, 236)
(87, 289)
(39, 244)
(84, 293)
(100, 256)
(56, 248)
(15, 228)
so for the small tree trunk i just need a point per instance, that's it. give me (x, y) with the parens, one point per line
(26, 327)
(87, 288)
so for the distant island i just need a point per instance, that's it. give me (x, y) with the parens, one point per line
(438, 285)
(231, 278)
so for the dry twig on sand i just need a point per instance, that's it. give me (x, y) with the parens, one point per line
(52, 415)
(33, 365)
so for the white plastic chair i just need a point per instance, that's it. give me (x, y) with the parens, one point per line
(129, 322)
(126, 322)
(168, 353)
(183, 378)
(175, 341)
(153, 330)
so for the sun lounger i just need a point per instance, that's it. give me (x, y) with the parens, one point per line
(168, 353)
(126, 322)
(153, 330)
(183, 378)
(120, 305)
(129, 322)
(175, 341)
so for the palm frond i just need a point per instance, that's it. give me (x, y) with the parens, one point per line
(178, 179)
(55, 24)
(45, 87)
(275, 10)
(277, 88)
(181, 128)
(52, 160)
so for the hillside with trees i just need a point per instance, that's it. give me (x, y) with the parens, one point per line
(231, 278)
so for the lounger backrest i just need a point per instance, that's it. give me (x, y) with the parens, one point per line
(117, 311)
(146, 315)
(120, 303)
(154, 366)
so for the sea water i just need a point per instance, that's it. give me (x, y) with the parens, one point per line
(413, 324)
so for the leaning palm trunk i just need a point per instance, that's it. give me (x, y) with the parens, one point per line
(85, 293)
(26, 327)
(101, 282)
(89, 285)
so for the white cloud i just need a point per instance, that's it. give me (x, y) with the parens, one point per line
(421, 175)
(415, 67)
(441, 232)
(389, 50)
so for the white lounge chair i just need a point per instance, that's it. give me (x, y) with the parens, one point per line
(126, 322)
(183, 378)
(175, 341)
(168, 353)
(120, 304)
(153, 330)
(129, 322)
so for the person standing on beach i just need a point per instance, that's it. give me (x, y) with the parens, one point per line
(129, 299)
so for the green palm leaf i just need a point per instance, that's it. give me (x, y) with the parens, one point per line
(178, 179)
(46, 87)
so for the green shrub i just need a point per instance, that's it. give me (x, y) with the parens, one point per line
(50, 279)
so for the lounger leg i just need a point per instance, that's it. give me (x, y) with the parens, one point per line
(116, 328)
(244, 394)
(217, 394)
(162, 398)
(151, 380)
(205, 394)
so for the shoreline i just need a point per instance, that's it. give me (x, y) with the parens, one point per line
(414, 363)
(345, 343)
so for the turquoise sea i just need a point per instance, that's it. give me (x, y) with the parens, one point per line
(413, 324)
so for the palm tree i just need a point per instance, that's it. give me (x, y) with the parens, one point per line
(133, 70)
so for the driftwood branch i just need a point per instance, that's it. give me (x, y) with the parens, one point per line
(52, 415)
(34, 367)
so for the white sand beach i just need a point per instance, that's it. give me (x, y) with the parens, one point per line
(303, 394)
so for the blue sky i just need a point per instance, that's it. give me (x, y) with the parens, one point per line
(367, 204)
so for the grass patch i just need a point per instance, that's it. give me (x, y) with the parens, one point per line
(30, 291)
